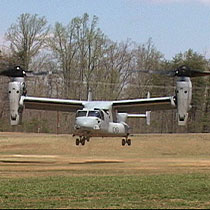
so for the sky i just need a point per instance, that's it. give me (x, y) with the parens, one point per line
(174, 25)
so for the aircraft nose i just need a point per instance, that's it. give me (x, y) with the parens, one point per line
(87, 122)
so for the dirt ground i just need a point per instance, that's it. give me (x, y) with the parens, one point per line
(28, 155)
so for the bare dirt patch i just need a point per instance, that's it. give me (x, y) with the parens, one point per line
(43, 155)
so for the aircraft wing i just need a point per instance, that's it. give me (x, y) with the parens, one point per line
(142, 105)
(51, 104)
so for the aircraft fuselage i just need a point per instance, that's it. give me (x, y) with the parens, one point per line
(98, 123)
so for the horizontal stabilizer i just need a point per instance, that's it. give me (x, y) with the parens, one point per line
(147, 116)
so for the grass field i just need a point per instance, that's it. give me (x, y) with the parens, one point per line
(157, 171)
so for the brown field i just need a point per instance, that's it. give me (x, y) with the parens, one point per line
(28, 155)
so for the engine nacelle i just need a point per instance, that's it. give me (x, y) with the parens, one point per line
(183, 98)
(16, 89)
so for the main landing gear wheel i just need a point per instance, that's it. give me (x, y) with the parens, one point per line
(81, 140)
(126, 141)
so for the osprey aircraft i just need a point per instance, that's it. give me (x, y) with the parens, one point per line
(102, 118)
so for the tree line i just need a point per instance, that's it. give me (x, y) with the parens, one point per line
(81, 57)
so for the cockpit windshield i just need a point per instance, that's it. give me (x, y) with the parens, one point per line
(81, 114)
(91, 113)
(94, 114)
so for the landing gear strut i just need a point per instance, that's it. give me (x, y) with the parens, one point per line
(81, 140)
(126, 141)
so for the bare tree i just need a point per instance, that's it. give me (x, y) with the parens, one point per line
(78, 47)
(63, 46)
(27, 37)
(91, 44)
(114, 70)
(146, 57)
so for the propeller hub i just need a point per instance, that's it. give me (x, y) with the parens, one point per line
(183, 71)
(17, 71)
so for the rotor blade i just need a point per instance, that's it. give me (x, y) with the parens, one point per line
(196, 73)
(186, 71)
(168, 73)
(181, 71)
(31, 73)
(41, 73)
(17, 71)
(4, 73)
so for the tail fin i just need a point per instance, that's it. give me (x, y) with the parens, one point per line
(90, 95)
(148, 114)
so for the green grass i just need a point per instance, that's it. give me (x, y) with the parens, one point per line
(153, 191)
(156, 172)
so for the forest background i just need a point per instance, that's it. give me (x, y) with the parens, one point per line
(81, 57)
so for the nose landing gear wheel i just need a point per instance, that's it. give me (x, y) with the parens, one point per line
(129, 142)
(126, 141)
(77, 142)
(81, 140)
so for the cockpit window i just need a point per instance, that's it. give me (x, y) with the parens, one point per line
(81, 114)
(94, 114)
